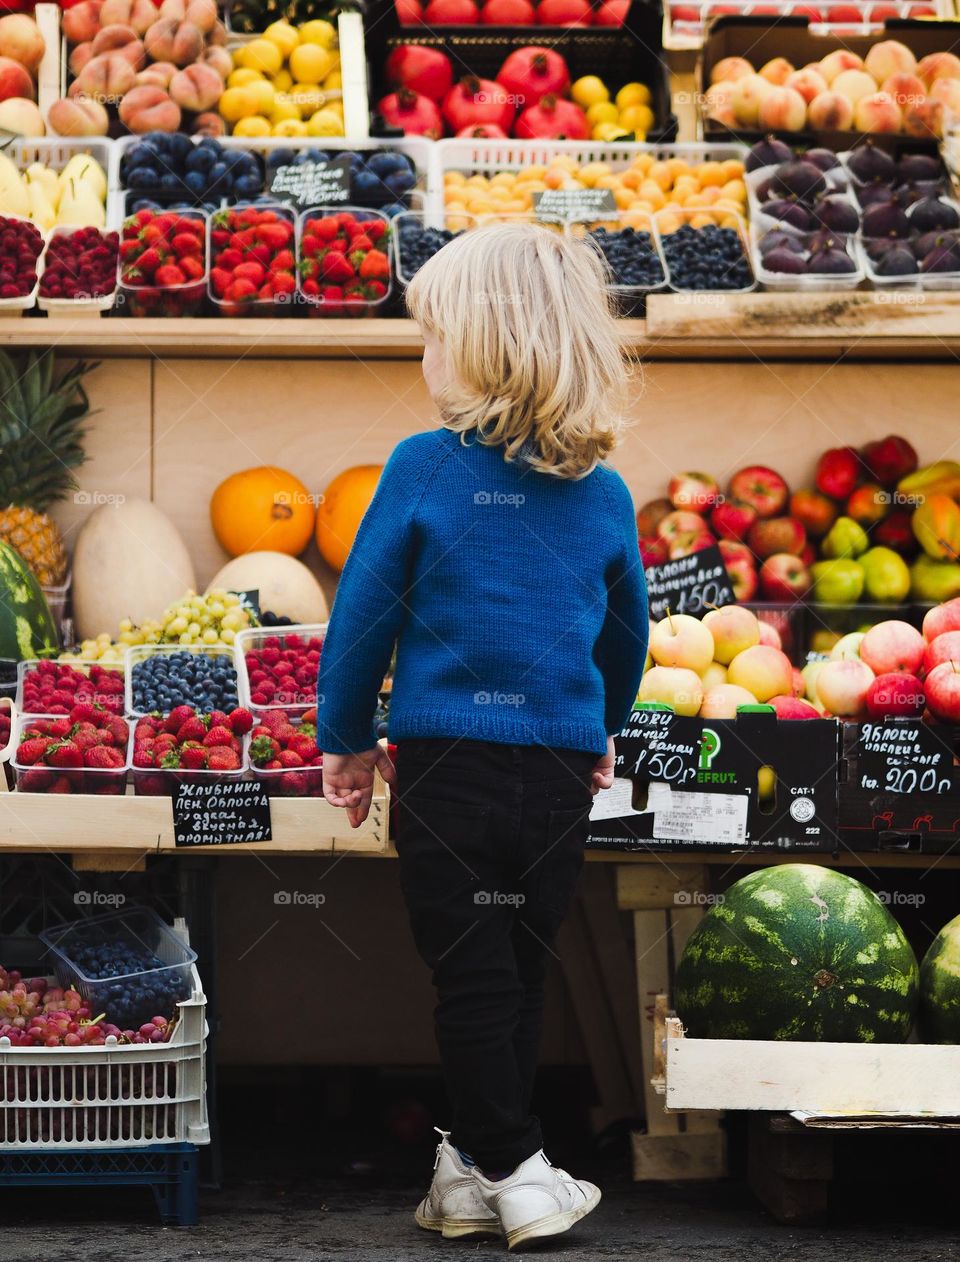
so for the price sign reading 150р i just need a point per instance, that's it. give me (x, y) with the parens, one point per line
(691, 584)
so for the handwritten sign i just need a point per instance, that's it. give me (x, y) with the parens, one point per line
(691, 584)
(574, 205)
(312, 183)
(225, 814)
(903, 756)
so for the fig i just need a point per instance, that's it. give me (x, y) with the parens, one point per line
(930, 214)
(885, 219)
(914, 167)
(824, 240)
(799, 179)
(876, 249)
(872, 193)
(764, 190)
(783, 259)
(836, 213)
(777, 239)
(831, 262)
(907, 194)
(942, 258)
(871, 165)
(923, 245)
(767, 153)
(788, 211)
(825, 159)
(897, 261)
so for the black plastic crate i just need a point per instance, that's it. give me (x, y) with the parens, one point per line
(619, 54)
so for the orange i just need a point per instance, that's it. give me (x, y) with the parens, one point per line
(262, 509)
(345, 501)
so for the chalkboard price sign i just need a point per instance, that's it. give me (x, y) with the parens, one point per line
(226, 814)
(312, 184)
(574, 205)
(693, 584)
(903, 756)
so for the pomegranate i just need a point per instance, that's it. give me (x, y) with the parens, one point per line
(424, 70)
(564, 13)
(531, 73)
(614, 13)
(482, 131)
(508, 13)
(473, 101)
(451, 13)
(409, 12)
(552, 118)
(416, 115)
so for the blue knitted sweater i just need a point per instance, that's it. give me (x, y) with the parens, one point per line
(516, 602)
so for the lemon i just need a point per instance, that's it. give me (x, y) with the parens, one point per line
(283, 80)
(589, 90)
(264, 93)
(335, 107)
(255, 125)
(636, 118)
(310, 63)
(324, 123)
(285, 109)
(290, 127)
(259, 54)
(607, 132)
(283, 35)
(242, 76)
(602, 112)
(237, 103)
(318, 32)
(632, 94)
(333, 80)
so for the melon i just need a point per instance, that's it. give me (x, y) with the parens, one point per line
(129, 562)
(27, 628)
(285, 585)
(799, 952)
(940, 987)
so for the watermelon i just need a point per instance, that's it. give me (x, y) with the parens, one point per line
(798, 952)
(27, 628)
(940, 987)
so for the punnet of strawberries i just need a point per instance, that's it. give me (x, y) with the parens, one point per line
(344, 261)
(171, 750)
(56, 687)
(80, 263)
(20, 246)
(282, 671)
(284, 751)
(84, 751)
(253, 264)
(162, 262)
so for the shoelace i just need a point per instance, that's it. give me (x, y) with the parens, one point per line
(444, 1135)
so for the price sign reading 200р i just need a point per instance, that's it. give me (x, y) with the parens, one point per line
(691, 584)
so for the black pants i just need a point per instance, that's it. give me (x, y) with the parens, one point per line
(490, 839)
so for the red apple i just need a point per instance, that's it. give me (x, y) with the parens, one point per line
(686, 545)
(761, 487)
(945, 648)
(693, 490)
(732, 519)
(897, 694)
(807, 555)
(838, 472)
(741, 568)
(941, 618)
(892, 645)
(731, 550)
(777, 534)
(793, 708)
(868, 504)
(784, 577)
(808, 11)
(895, 532)
(680, 524)
(842, 687)
(815, 511)
(653, 551)
(889, 459)
(769, 635)
(943, 692)
(651, 515)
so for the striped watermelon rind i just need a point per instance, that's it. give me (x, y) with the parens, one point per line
(940, 987)
(27, 628)
(798, 952)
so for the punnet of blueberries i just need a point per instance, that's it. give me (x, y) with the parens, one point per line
(706, 258)
(169, 163)
(206, 681)
(417, 244)
(126, 981)
(631, 256)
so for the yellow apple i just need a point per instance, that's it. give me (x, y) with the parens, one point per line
(673, 686)
(680, 640)
(734, 629)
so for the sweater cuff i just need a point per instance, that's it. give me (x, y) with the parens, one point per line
(351, 740)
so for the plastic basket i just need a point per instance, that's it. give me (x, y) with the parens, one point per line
(254, 638)
(56, 152)
(685, 214)
(169, 300)
(362, 308)
(120, 1095)
(289, 782)
(95, 781)
(164, 781)
(140, 652)
(93, 307)
(32, 664)
(280, 304)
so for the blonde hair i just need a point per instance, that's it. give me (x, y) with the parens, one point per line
(533, 357)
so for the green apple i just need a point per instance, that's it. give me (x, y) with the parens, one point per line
(847, 647)
(845, 538)
(837, 582)
(886, 576)
(934, 580)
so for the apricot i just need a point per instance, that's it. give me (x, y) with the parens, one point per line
(148, 108)
(78, 116)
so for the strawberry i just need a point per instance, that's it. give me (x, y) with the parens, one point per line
(311, 289)
(222, 758)
(117, 728)
(275, 236)
(220, 278)
(375, 289)
(292, 785)
(283, 282)
(335, 267)
(303, 746)
(104, 758)
(170, 760)
(260, 253)
(85, 712)
(240, 721)
(168, 276)
(193, 756)
(144, 756)
(32, 750)
(86, 740)
(61, 785)
(326, 228)
(219, 735)
(184, 243)
(165, 741)
(289, 758)
(177, 717)
(375, 228)
(192, 268)
(252, 270)
(59, 728)
(37, 780)
(63, 754)
(230, 258)
(376, 266)
(263, 748)
(239, 290)
(310, 245)
(194, 729)
(283, 262)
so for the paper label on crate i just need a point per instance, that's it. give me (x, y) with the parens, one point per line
(312, 183)
(905, 756)
(221, 814)
(712, 818)
(615, 802)
(574, 205)
(691, 584)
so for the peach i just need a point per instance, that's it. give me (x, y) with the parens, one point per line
(946, 93)
(187, 44)
(836, 62)
(202, 13)
(218, 35)
(939, 66)
(218, 58)
(143, 14)
(80, 55)
(730, 68)
(105, 78)
(853, 84)
(723, 114)
(889, 57)
(197, 88)
(148, 108)
(158, 39)
(114, 36)
(878, 112)
(776, 71)
(20, 115)
(924, 120)
(135, 53)
(176, 9)
(209, 125)
(809, 82)
(78, 117)
(14, 80)
(20, 39)
(81, 22)
(748, 94)
(830, 111)
(117, 11)
(783, 109)
(906, 89)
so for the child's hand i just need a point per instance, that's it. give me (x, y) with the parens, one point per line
(602, 772)
(348, 780)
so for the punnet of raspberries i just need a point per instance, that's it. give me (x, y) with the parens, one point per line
(84, 751)
(253, 259)
(167, 750)
(20, 246)
(80, 263)
(56, 687)
(284, 751)
(162, 262)
(282, 671)
(345, 262)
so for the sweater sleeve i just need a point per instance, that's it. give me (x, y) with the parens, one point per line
(622, 647)
(369, 608)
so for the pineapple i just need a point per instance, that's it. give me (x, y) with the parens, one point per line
(40, 445)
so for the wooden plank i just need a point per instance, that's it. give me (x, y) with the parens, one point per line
(108, 861)
(657, 886)
(651, 930)
(667, 1158)
(790, 1173)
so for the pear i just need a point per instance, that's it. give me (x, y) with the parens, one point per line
(82, 167)
(13, 189)
(46, 177)
(42, 211)
(80, 206)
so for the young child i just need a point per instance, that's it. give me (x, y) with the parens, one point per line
(500, 557)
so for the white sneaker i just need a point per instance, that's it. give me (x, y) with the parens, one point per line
(537, 1200)
(454, 1204)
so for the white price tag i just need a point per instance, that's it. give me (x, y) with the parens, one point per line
(712, 818)
(615, 802)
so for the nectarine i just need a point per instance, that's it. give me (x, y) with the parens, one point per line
(878, 112)
(836, 62)
(888, 57)
(853, 84)
(906, 89)
(750, 91)
(782, 109)
(14, 80)
(938, 66)
(830, 111)
(776, 71)
(809, 82)
(20, 39)
(730, 68)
